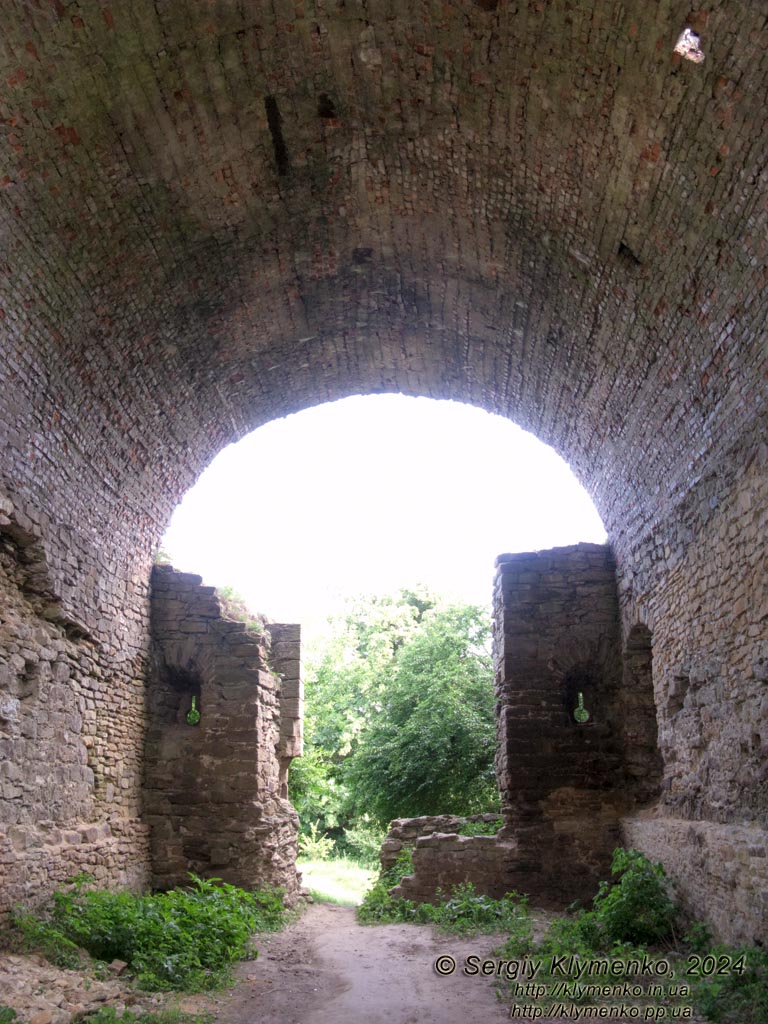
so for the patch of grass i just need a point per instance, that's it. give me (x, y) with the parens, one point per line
(185, 939)
(341, 880)
(8, 1015)
(108, 1015)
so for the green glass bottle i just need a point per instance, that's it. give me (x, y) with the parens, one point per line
(193, 715)
(580, 713)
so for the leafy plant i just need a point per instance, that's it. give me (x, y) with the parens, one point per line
(181, 939)
(33, 934)
(365, 838)
(480, 828)
(739, 997)
(466, 912)
(7, 1014)
(314, 846)
(637, 908)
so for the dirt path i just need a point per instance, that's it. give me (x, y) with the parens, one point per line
(327, 969)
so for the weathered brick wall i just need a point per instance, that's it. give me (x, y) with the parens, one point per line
(537, 208)
(563, 784)
(285, 663)
(215, 792)
(701, 586)
(664, 762)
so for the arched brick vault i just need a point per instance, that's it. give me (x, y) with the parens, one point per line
(217, 213)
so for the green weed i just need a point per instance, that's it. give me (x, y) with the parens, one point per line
(480, 828)
(315, 846)
(462, 912)
(108, 1015)
(183, 939)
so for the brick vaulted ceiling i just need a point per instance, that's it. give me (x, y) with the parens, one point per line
(214, 212)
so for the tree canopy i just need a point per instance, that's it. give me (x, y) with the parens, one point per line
(399, 715)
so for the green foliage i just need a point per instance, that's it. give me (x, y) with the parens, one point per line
(698, 937)
(34, 934)
(481, 828)
(377, 905)
(466, 912)
(7, 1014)
(399, 719)
(579, 934)
(181, 939)
(637, 908)
(739, 997)
(108, 1015)
(430, 746)
(315, 846)
(315, 790)
(365, 838)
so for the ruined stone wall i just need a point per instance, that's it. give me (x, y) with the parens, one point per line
(442, 858)
(285, 664)
(215, 792)
(673, 759)
(71, 721)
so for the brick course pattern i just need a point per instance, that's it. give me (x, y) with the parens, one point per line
(215, 792)
(563, 784)
(213, 215)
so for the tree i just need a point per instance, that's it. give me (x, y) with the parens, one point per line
(399, 715)
(429, 749)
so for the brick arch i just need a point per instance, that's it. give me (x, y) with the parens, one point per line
(213, 216)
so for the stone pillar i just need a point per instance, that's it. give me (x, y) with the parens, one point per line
(214, 791)
(556, 635)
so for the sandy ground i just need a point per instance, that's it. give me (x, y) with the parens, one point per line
(327, 969)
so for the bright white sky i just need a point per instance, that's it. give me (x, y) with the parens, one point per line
(370, 494)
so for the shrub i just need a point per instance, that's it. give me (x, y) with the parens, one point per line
(314, 846)
(7, 1015)
(637, 908)
(365, 839)
(181, 939)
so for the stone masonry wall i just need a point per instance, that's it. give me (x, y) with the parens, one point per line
(563, 785)
(442, 858)
(285, 663)
(69, 718)
(537, 208)
(215, 793)
(703, 596)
